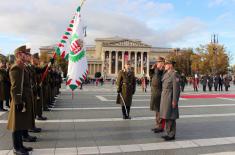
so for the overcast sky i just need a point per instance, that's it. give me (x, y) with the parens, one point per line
(161, 23)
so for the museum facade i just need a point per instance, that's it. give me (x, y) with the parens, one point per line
(109, 55)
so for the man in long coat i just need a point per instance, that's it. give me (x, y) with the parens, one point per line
(126, 85)
(156, 73)
(4, 95)
(20, 116)
(169, 99)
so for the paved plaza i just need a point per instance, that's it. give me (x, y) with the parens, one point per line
(92, 123)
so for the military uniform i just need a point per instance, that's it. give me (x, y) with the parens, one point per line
(210, 82)
(226, 83)
(4, 90)
(216, 82)
(20, 117)
(170, 94)
(156, 90)
(183, 81)
(204, 82)
(126, 85)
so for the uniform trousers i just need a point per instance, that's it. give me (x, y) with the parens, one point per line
(170, 127)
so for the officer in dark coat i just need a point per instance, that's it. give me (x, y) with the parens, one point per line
(183, 81)
(20, 116)
(126, 85)
(204, 81)
(227, 82)
(156, 73)
(216, 82)
(4, 80)
(210, 82)
(221, 82)
(169, 99)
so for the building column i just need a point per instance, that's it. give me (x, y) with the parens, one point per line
(148, 64)
(129, 55)
(136, 63)
(103, 61)
(123, 59)
(110, 65)
(116, 63)
(142, 64)
(94, 68)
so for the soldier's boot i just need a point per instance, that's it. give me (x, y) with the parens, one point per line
(27, 138)
(17, 144)
(41, 118)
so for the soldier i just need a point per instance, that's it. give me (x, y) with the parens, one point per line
(169, 99)
(156, 73)
(183, 81)
(20, 117)
(8, 85)
(227, 82)
(210, 82)
(126, 84)
(221, 82)
(204, 81)
(3, 84)
(216, 82)
(38, 88)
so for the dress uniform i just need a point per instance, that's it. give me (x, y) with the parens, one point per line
(183, 81)
(216, 82)
(156, 73)
(20, 116)
(4, 82)
(210, 82)
(126, 85)
(204, 82)
(169, 99)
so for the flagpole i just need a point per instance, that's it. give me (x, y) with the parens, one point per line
(54, 54)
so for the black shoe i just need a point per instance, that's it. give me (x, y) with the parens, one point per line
(128, 117)
(164, 136)
(20, 151)
(167, 138)
(158, 130)
(41, 118)
(46, 109)
(29, 139)
(35, 130)
(3, 110)
(27, 148)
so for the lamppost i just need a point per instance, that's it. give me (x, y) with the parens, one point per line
(214, 42)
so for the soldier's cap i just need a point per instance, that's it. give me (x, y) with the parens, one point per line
(160, 59)
(36, 55)
(21, 49)
(170, 61)
(128, 62)
(28, 51)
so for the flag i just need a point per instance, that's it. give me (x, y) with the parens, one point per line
(72, 48)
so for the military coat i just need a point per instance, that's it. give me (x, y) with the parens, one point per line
(156, 89)
(170, 93)
(126, 85)
(20, 120)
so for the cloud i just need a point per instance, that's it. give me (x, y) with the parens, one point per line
(214, 3)
(42, 22)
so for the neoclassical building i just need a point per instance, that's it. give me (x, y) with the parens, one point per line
(108, 56)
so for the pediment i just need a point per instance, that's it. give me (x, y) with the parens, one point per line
(126, 43)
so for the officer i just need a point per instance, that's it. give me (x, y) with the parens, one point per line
(216, 82)
(126, 85)
(156, 73)
(4, 80)
(183, 81)
(227, 82)
(169, 99)
(20, 116)
(221, 82)
(210, 82)
(204, 82)
(38, 88)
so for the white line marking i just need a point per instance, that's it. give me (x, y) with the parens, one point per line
(120, 119)
(221, 153)
(230, 99)
(101, 98)
(137, 147)
(2, 113)
(142, 107)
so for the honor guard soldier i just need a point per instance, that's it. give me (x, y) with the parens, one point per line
(156, 73)
(210, 82)
(169, 99)
(126, 85)
(4, 84)
(20, 117)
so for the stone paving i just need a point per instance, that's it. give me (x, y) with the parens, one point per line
(92, 123)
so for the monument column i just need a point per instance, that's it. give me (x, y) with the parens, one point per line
(123, 59)
(135, 63)
(142, 64)
(110, 55)
(147, 63)
(116, 63)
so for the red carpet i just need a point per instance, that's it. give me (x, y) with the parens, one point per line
(208, 96)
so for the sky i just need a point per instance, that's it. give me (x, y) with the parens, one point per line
(160, 23)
